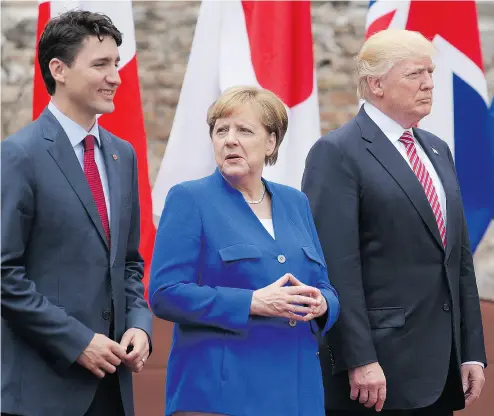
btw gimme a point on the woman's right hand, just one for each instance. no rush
(278, 300)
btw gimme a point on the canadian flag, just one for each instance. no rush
(127, 120)
(266, 44)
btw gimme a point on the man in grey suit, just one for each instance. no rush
(389, 214)
(74, 320)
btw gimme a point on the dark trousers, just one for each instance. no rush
(442, 407)
(427, 411)
(107, 400)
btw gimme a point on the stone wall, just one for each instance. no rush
(164, 33)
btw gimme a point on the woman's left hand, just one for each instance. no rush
(316, 310)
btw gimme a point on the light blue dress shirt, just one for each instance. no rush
(76, 135)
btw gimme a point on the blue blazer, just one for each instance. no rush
(211, 253)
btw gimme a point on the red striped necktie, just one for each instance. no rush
(94, 180)
(426, 181)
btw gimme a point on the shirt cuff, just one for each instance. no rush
(473, 362)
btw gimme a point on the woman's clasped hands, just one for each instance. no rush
(289, 298)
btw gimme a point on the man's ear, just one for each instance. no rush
(57, 69)
(375, 86)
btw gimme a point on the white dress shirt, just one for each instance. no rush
(76, 135)
(268, 225)
(393, 131)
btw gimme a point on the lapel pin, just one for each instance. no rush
(434, 150)
(115, 157)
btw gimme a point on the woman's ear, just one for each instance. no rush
(271, 144)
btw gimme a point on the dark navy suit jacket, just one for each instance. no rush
(211, 253)
(406, 301)
(58, 274)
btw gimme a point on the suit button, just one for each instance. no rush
(106, 314)
(281, 258)
(446, 307)
(292, 322)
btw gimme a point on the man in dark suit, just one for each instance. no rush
(74, 320)
(388, 211)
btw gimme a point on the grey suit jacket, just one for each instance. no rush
(58, 274)
(406, 301)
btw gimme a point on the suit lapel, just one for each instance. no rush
(63, 153)
(389, 157)
(112, 163)
(233, 196)
(281, 222)
(441, 164)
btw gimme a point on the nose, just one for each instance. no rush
(428, 83)
(114, 77)
(231, 137)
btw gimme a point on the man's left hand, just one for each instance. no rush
(472, 377)
(139, 340)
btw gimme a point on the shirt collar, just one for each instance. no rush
(74, 131)
(391, 129)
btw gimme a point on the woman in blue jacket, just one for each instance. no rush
(238, 267)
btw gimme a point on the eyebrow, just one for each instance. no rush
(106, 59)
(421, 68)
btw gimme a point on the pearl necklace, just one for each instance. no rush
(259, 200)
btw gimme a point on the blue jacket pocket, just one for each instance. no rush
(311, 253)
(239, 252)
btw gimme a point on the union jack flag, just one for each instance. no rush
(460, 113)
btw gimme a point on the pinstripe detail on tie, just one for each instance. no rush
(426, 181)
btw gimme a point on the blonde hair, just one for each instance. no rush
(272, 112)
(386, 48)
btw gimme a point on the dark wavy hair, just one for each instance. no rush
(64, 35)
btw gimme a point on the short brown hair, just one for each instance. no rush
(273, 115)
(64, 36)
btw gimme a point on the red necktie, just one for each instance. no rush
(426, 181)
(94, 181)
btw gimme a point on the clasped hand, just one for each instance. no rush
(104, 355)
(298, 301)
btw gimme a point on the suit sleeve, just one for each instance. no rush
(175, 290)
(331, 184)
(472, 335)
(30, 314)
(138, 314)
(323, 284)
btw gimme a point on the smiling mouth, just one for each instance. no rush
(108, 93)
